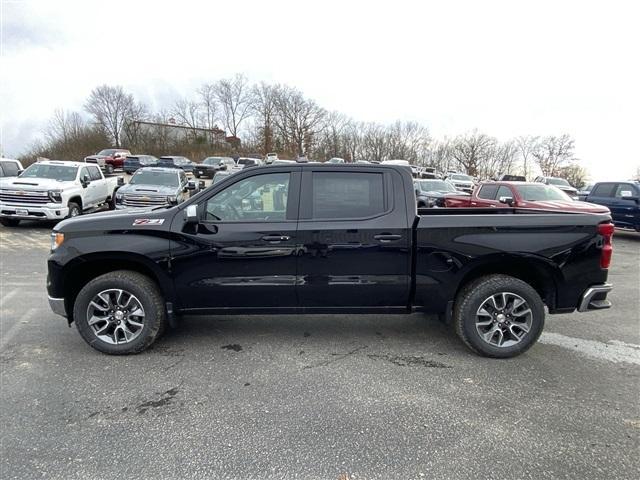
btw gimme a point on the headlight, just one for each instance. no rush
(55, 196)
(119, 196)
(56, 240)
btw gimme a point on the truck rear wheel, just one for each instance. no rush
(120, 312)
(498, 316)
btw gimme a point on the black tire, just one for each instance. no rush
(112, 202)
(108, 169)
(9, 222)
(196, 174)
(422, 205)
(473, 295)
(74, 210)
(147, 293)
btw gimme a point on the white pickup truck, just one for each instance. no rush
(54, 190)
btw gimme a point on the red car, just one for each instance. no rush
(522, 195)
(109, 159)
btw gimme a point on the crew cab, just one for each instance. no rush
(152, 187)
(109, 159)
(622, 198)
(134, 162)
(521, 195)
(348, 239)
(54, 190)
(176, 161)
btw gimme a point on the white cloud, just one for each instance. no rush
(506, 68)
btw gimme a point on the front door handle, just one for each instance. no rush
(276, 238)
(387, 237)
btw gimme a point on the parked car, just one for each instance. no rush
(522, 195)
(153, 187)
(221, 175)
(512, 178)
(584, 191)
(10, 167)
(622, 198)
(175, 161)
(269, 158)
(429, 172)
(53, 190)
(134, 162)
(431, 193)
(211, 165)
(336, 160)
(352, 242)
(282, 161)
(109, 159)
(462, 182)
(244, 162)
(561, 183)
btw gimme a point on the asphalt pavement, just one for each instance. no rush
(315, 397)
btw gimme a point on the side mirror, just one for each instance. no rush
(201, 185)
(417, 192)
(191, 214)
(506, 200)
(191, 185)
(85, 180)
(120, 181)
(20, 172)
(185, 189)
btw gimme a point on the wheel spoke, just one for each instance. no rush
(99, 307)
(93, 320)
(122, 315)
(483, 312)
(103, 329)
(521, 313)
(499, 324)
(134, 323)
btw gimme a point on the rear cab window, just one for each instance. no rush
(345, 195)
(604, 190)
(488, 192)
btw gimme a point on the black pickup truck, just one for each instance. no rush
(296, 239)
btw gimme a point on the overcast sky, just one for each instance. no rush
(506, 68)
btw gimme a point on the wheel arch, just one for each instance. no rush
(85, 268)
(542, 275)
(76, 199)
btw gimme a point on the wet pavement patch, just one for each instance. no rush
(165, 399)
(232, 346)
(410, 361)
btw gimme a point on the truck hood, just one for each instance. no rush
(151, 190)
(96, 157)
(569, 190)
(115, 220)
(441, 194)
(569, 206)
(18, 183)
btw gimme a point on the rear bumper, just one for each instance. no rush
(595, 298)
(33, 212)
(57, 306)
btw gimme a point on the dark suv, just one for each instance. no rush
(622, 198)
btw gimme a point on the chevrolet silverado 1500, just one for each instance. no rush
(319, 238)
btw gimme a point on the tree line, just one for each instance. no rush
(235, 117)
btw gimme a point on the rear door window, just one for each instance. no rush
(625, 190)
(604, 190)
(347, 195)
(94, 173)
(488, 192)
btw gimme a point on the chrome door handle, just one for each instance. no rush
(276, 238)
(387, 237)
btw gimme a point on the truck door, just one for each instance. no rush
(355, 238)
(98, 186)
(603, 194)
(242, 254)
(625, 210)
(486, 196)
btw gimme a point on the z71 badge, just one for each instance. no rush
(148, 221)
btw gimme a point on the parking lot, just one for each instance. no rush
(319, 396)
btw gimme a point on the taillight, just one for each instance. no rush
(606, 230)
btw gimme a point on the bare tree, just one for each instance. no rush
(573, 173)
(111, 107)
(209, 105)
(298, 120)
(526, 145)
(236, 99)
(554, 152)
(64, 126)
(264, 109)
(473, 150)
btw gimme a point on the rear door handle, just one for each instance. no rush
(276, 238)
(387, 237)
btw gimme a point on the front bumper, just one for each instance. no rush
(34, 212)
(595, 298)
(57, 306)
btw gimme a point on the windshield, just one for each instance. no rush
(150, 177)
(465, 178)
(219, 177)
(559, 181)
(108, 152)
(62, 173)
(534, 193)
(435, 186)
(246, 161)
(212, 160)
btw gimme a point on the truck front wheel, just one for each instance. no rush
(74, 210)
(498, 316)
(120, 312)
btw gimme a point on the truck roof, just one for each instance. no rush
(66, 163)
(160, 169)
